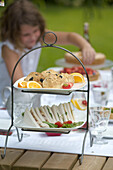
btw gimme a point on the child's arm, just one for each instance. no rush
(65, 38)
(10, 58)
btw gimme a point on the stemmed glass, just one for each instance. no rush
(101, 93)
(99, 118)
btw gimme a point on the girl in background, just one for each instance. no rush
(21, 29)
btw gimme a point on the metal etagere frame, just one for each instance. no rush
(20, 136)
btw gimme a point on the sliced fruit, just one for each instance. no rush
(84, 102)
(78, 103)
(67, 85)
(33, 84)
(78, 78)
(22, 84)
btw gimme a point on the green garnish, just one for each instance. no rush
(23, 114)
(49, 112)
(111, 110)
(72, 125)
(63, 117)
(51, 125)
(106, 108)
(65, 113)
(58, 116)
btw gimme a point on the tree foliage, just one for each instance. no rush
(88, 3)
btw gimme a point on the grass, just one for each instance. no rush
(72, 19)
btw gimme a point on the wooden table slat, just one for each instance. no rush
(109, 164)
(31, 160)
(90, 163)
(11, 156)
(60, 161)
(19, 159)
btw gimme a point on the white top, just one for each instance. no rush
(29, 63)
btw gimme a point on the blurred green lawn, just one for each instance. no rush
(72, 19)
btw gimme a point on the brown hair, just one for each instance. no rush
(16, 14)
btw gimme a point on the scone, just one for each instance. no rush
(67, 78)
(57, 80)
(48, 72)
(35, 76)
(53, 81)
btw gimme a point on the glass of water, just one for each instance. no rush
(19, 108)
(101, 93)
(99, 118)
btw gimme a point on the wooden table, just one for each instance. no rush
(17, 159)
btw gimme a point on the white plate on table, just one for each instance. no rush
(76, 86)
(63, 63)
(108, 133)
(5, 124)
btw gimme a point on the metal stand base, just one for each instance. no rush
(19, 139)
(91, 144)
(91, 139)
(81, 157)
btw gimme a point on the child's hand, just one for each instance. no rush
(88, 54)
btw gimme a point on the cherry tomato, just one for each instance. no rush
(68, 122)
(59, 124)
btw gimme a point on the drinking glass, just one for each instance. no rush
(99, 118)
(101, 93)
(19, 109)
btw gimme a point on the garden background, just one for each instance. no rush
(70, 15)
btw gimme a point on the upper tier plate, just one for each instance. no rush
(76, 86)
(63, 63)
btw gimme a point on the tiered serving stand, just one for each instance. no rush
(20, 136)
